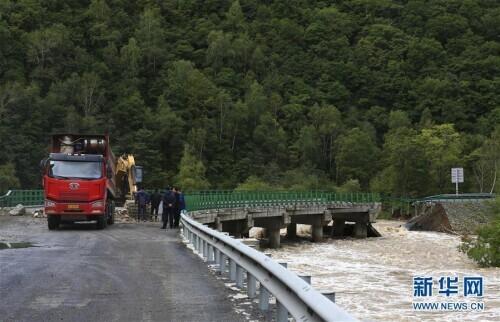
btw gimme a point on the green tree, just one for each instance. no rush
(356, 157)
(130, 58)
(351, 185)
(100, 15)
(486, 163)
(219, 51)
(327, 121)
(149, 34)
(254, 183)
(235, 19)
(442, 149)
(8, 179)
(191, 174)
(42, 45)
(406, 168)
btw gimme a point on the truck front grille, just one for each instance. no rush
(74, 196)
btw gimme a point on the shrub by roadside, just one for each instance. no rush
(485, 248)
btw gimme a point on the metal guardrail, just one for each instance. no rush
(481, 195)
(464, 197)
(25, 197)
(293, 295)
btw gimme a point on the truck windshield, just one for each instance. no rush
(74, 169)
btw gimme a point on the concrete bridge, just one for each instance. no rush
(275, 211)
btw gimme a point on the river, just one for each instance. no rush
(373, 278)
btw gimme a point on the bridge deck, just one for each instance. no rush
(123, 273)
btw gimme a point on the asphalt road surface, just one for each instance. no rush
(126, 272)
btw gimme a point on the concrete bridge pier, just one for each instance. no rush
(291, 231)
(317, 232)
(360, 230)
(218, 224)
(272, 226)
(360, 217)
(316, 220)
(274, 237)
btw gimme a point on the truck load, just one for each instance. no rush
(83, 181)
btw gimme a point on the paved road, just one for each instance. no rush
(126, 272)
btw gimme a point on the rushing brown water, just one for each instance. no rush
(373, 278)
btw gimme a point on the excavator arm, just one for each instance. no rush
(126, 177)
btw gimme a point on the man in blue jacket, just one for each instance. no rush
(141, 199)
(169, 205)
(180, 205)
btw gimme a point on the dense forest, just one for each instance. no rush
(379, 95)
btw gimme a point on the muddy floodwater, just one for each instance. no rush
(373, 278)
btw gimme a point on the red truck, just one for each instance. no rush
(79, 180)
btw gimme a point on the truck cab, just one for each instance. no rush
(78, 180)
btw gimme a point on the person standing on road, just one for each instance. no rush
(169, 201)
(141, 199)
(182, 201)
(177, 211)
(155, 204)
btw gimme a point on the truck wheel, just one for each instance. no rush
(101, 222)
(53, 221)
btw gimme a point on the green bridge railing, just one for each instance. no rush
(218, 199)
(24, 197)
(223, 199)
(235, 199)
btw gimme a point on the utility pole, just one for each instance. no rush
(457, 176)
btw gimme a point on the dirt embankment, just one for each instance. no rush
(451, 217)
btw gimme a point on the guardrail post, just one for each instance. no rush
(281, 311)
(232, 270)
(251, 285)
(218, 224)
(210, 255)
(200, 245)
(239, 276)
(222, 263)
(217, 259)
(264, 294)
(205, 249)
(263, 298)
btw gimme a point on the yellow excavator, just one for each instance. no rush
(128, 175)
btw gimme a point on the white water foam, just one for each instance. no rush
(373, 277)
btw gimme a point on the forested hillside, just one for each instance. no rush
(295, 94)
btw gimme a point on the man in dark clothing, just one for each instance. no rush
(182, 201)
(141, 199)
(169, 204)
(155, 204)
(181, 205)
(177, 211)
